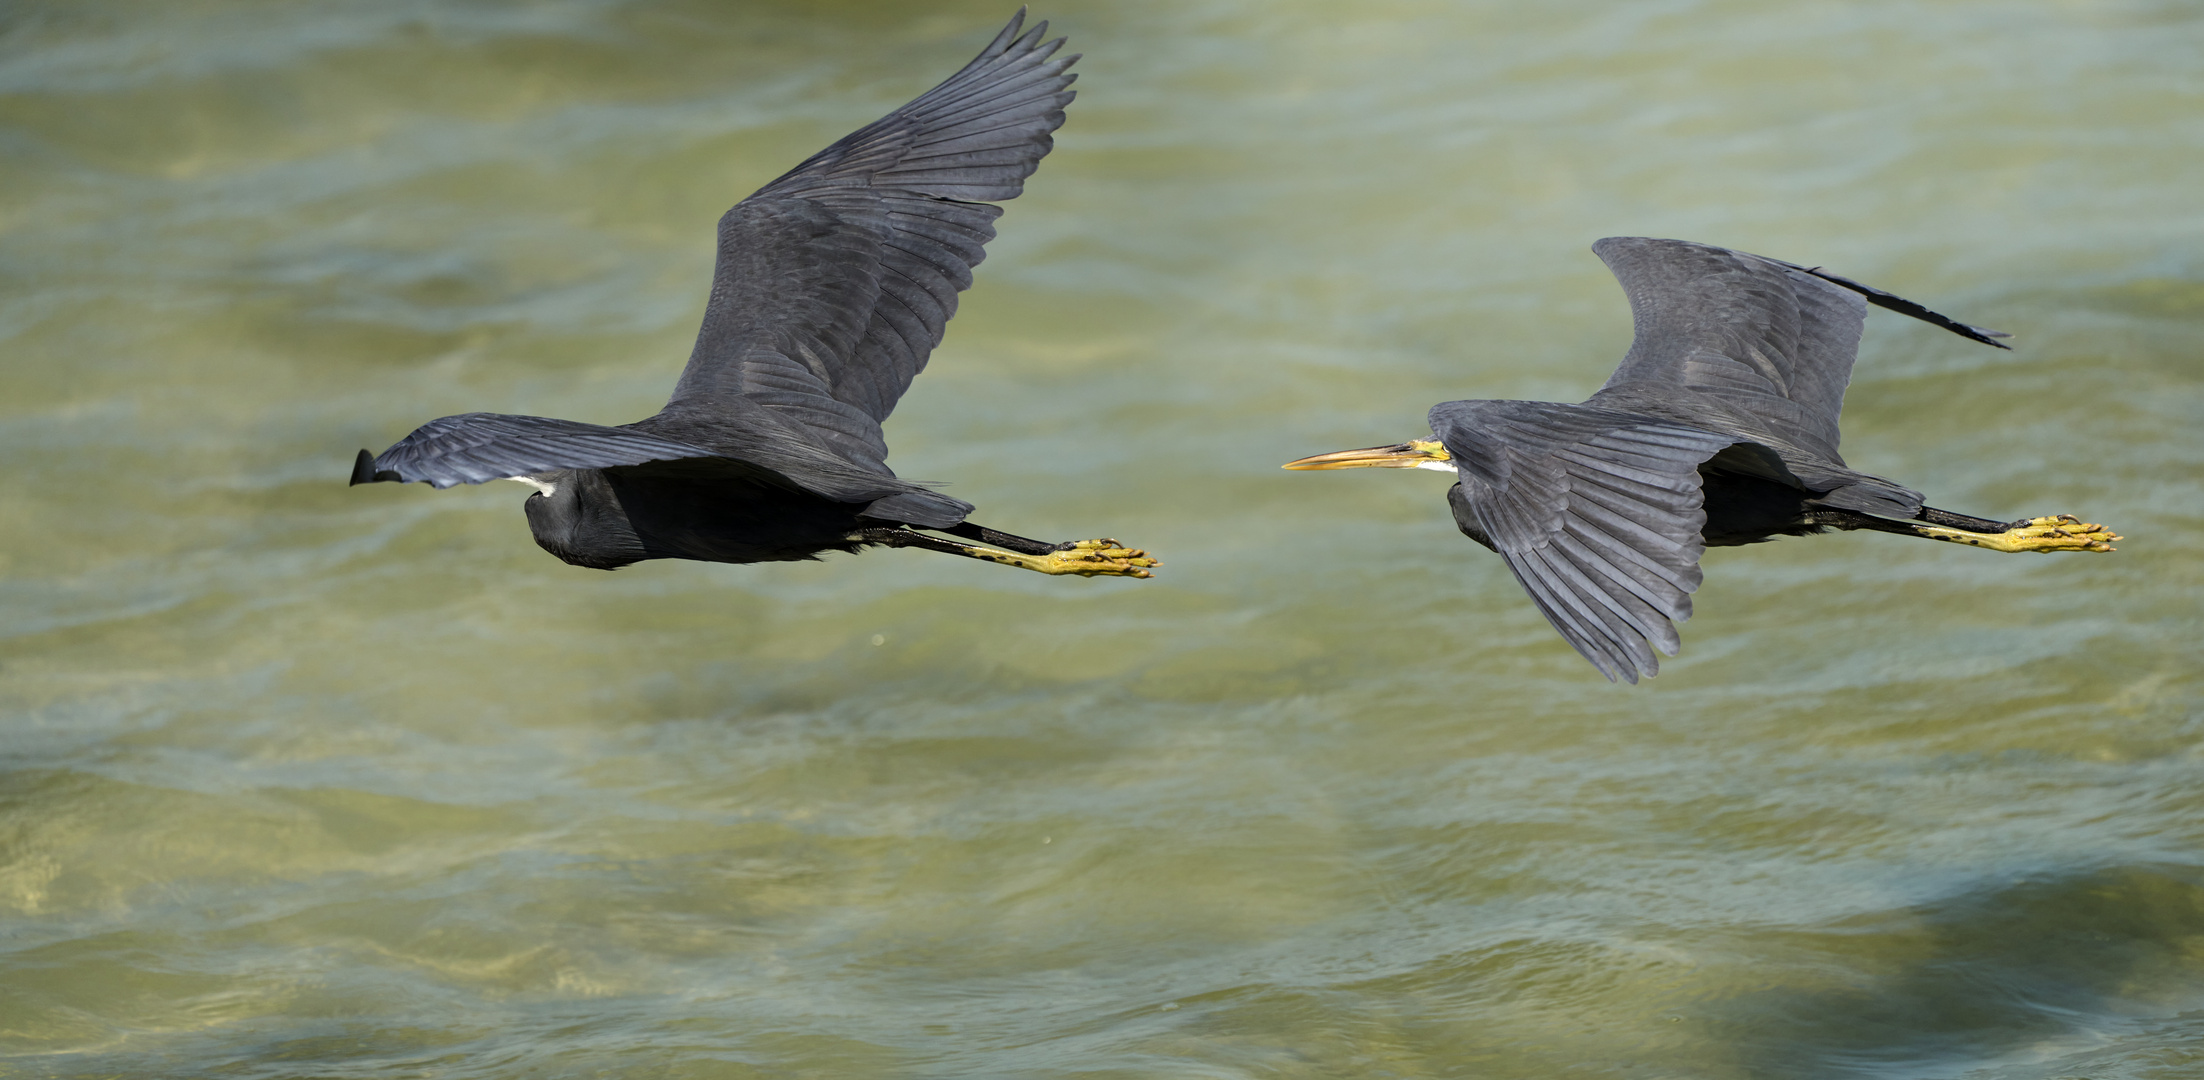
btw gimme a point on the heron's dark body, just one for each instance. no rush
(608, 518)
(1745, 509)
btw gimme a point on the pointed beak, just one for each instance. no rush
(1413, 454)
(365, 472)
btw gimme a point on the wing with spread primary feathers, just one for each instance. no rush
(834, 281)
(1598, 513)
(476, 447)
(1768, 337)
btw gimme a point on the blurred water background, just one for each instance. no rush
(297, 780)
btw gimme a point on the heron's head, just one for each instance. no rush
(576, 516)
(1413, 454)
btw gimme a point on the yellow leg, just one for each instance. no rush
(2063, 532)
(1086, 558)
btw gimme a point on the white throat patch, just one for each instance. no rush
(547, 489)
(1434, 466)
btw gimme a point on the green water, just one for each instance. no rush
(305, 781)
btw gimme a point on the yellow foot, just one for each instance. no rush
(2063, 532)
(1086, 558)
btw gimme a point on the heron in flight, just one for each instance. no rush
(832, 286)
(1719, 429)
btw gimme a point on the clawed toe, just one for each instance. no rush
(1099, 558)
(2061, 532)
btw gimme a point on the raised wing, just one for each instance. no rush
(475, 447)
(1774, 339)
(1598, 513)
(834, 282)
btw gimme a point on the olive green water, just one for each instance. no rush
(297, 780)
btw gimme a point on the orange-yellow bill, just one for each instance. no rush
(1414, 454)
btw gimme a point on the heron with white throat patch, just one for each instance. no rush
(832, 288)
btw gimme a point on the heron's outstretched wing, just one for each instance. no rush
(1768, 337)
(475, 447)
(834, 281)
(1598, 513)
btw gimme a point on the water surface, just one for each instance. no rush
(297, 780)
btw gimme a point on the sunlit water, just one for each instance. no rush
(308, 781)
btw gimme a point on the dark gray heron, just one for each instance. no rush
(1719, 429)
(832, 287)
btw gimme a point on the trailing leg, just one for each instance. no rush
(1086, 558)
(2062, 532)
(983, 534)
